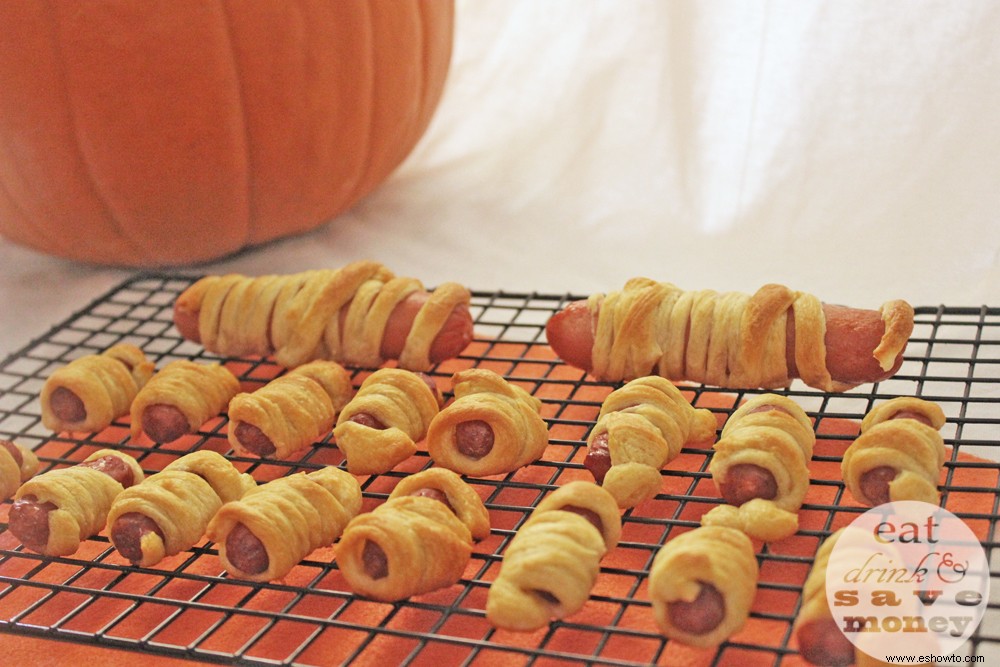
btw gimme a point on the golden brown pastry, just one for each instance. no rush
(552, 562)
(730, 339)
(55, 511)
(492, 426)
(290, 412)
(760, 467)
(642, 427)
(345, 315)
(702, 585)
(899, 454)
(380, 426)
(169, 512)
(448, 487)
(91, 392)
(181, 397)
(266, 533)
(407, 546)
(17, 464)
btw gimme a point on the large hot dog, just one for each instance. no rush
(360, 314)
(730, 339)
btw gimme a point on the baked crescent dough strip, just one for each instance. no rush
(716, 556)
(772, 434)
(815, 605)
(399, 400)
(291, 516)
(421, 545)
(181, 500)
(911, 451)
(293, 410)
(552, 563)
(295, 316)
(13, 472)
(726, 339)
(646, 423)
(82, 497)
(460, 497)
(105, 383)
(821, 639)
(520, 435)
(198, 391)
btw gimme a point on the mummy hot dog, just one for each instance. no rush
(819, 627)
(899, 454)
(169, 512)
(730, 339)
(641, 427)
(760, 467)
(702, 584)
(492, 427)
(553, 561)
(380, 426)
(181, 397)
(17, 464)
(360, 314)
(266, 533)
(820, 638)
(55, 511)
(418, 541)
(290, 412)
(91, 392)
(407, 546)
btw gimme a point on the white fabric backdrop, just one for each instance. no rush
(849, 148)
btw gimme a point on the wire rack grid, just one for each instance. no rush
(187, 607)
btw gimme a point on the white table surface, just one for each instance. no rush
(848, 149)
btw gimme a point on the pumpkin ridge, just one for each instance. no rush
(409, 140)
(248, 235)
(357, 190)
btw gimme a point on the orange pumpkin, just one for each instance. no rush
(157, 133)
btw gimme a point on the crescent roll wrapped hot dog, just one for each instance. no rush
(380, 426)
(266, 533)
(412, 544)
(760, 467)
(552, 563)
(181, 397)
(91, 392)
(820, 636)
(492, 427)
(642, 427)
(17, 465)
(702, 584)
(289, 412)
(730, 339)
(55, 511)
(360, 314)
(169, 512)
(899, 454)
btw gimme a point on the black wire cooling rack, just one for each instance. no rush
(187, 607)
